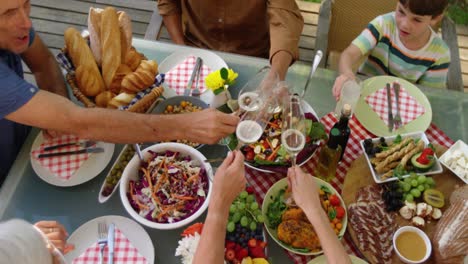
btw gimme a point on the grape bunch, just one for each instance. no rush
(245, 211)
(415, 185)
(372, 149)
(393, 196)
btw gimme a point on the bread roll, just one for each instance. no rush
(133, 59)
(103, 98)
(89, 80)
(110, 44)
(121, 72)
(120, 100)
(142, 78)
(94, 28)
(125, 26)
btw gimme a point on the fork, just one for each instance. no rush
(102, 240)
(397, 118)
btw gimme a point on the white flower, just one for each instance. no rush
(187, 247)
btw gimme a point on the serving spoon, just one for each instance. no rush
(315, 63)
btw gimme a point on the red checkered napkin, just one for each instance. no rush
(124, 252)
(62, 167)
(410, 109)
(178, 77)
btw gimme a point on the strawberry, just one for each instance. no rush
(230, 244)
(340, 212)
(191, 230)
(237, 247)
(334, 200)
(242, 254)
(249, 189)
(252, 243)
(257, 252)
(263, 244)
(230, 255)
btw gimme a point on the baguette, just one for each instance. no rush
(121, 72)
(125, 26)
(133, 59)
(110, 44)
(94, 28)
(81, 55)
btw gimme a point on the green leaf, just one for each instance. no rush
(332, 214)
(224, 73)
(232, 141)
(325, 189)
(218, 91)
(397, 139)
(267, 162)
(317, 131)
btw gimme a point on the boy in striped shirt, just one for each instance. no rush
(401, 44)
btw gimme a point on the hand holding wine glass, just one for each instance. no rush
(293, 126)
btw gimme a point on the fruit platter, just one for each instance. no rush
(395, 157)
(279, 214)
(268, 154)
(378, 210)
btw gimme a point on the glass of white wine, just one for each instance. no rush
(254, 93)
(293, 126)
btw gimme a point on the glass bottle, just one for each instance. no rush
(328, 158)
(342, 126)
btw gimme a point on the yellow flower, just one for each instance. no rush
(232, 76)
(215, 82)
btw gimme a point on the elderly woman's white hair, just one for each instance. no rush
(21, 242)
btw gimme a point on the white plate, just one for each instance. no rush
(306, 109)
(88, 170)
(86, 235)
(437, 168)
(463, 148)
(210, 59)
(323, 260)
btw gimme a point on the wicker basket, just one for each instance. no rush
(145, 104)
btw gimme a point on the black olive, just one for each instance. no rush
(382, 140)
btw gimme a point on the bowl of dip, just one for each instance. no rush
(412, 245)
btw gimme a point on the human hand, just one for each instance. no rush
(339, 84)
(229, 181)
(209, 126)
(56, 234)
(304, 189)
(50, 134)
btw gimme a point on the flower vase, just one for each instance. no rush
(221, 98)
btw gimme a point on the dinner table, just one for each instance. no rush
(24, 195)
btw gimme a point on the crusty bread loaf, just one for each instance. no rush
(94, 28)
(120, 100)
(89, 80)
(104, 98)
(133, 59)
(142, 78)
(125, 25)
(110, 44)
(121, 72)
(144, 103)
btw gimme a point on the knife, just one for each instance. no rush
(110, 244)
(389, 106)
(84, 144)
(81, 151)
(196, 69)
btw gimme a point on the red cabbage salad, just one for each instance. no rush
(169, 188)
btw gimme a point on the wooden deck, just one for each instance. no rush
(51, 17)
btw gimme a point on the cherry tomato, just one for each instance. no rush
(428, 151)
(250, 155)
(334, 200)
(340, 212)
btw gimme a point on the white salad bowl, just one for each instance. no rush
(131, 173)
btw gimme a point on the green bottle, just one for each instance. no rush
(329, 157)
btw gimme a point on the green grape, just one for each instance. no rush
(413, 176)
(407, 180)
(427, 186)
(414, 183)
(406, 187)
(422, 179)
(244, 221)
(231, 226)
(236, 217)
(253, 226)
(243, 194)
(430, 181)
(415, 192)
(257, 212)
(241, 206)
(260, 218)
(250, 198)
(232, 208)
(421, 188)
(409, 197)
(254, 206)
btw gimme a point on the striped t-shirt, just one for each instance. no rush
(427, 66)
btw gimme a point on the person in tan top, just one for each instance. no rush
(269, 29)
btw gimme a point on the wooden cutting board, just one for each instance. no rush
(359, 176)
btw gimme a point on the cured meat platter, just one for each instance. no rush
(360, 190)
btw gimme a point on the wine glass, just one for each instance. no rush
(293, 126)
(258, 89)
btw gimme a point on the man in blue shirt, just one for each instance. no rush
(23, 103)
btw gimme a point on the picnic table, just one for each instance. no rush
(24, 195)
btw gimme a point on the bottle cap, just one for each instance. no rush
(346, 110)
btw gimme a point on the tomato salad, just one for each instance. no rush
(268, 152)
(169, 188)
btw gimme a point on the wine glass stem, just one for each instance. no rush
(293, 161)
